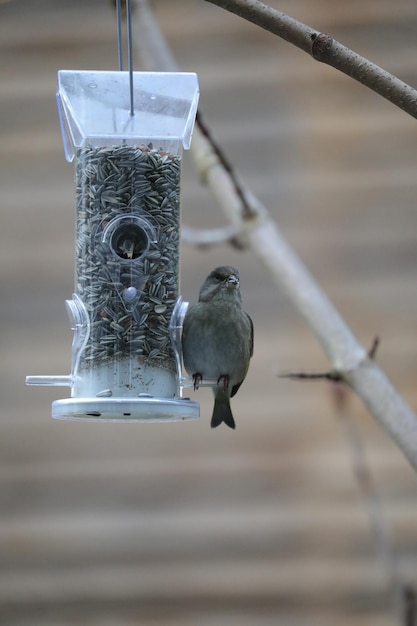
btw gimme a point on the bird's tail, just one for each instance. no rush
(222, 412)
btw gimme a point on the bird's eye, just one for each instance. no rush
(218, 277)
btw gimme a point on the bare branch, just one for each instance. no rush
(324, 48)
(208, 237)
(262, 235)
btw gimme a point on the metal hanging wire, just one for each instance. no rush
(129, 46)
(119, 33)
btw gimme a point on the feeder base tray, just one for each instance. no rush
(147, 409)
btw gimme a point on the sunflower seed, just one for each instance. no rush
(112, 183)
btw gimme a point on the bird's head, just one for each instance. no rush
(222, 282)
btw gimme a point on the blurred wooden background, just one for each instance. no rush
(176, 524)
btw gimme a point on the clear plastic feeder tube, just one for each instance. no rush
(127, 268)
(127, 180)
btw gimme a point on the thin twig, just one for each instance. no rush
(324, 48)
(208, 237)
(332, 375)
(374, 348)
(409, 606)
(247, 210)
(384, 542)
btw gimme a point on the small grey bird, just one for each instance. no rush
(217, 340)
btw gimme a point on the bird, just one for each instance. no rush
(217, 340)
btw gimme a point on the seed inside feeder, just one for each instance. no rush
(128, 281)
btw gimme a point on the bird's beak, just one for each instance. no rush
(233, 281)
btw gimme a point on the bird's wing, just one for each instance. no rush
(235, 389)
(251, 334)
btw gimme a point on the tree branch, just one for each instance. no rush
(325, 49)
(262, 235)
(205, 238)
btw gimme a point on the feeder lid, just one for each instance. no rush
(96, 106)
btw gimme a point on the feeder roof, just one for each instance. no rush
(96, 105)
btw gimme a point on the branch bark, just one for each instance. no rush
(262, 235)
(324, 48)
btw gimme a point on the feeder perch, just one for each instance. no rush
(126, 311)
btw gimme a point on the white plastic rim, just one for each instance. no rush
(126, 409)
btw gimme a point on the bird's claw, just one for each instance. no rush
(197, 380)
(223, 380)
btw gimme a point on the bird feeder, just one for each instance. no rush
(126, 311)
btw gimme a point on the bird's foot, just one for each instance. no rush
(197, 380)
(224, 380)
